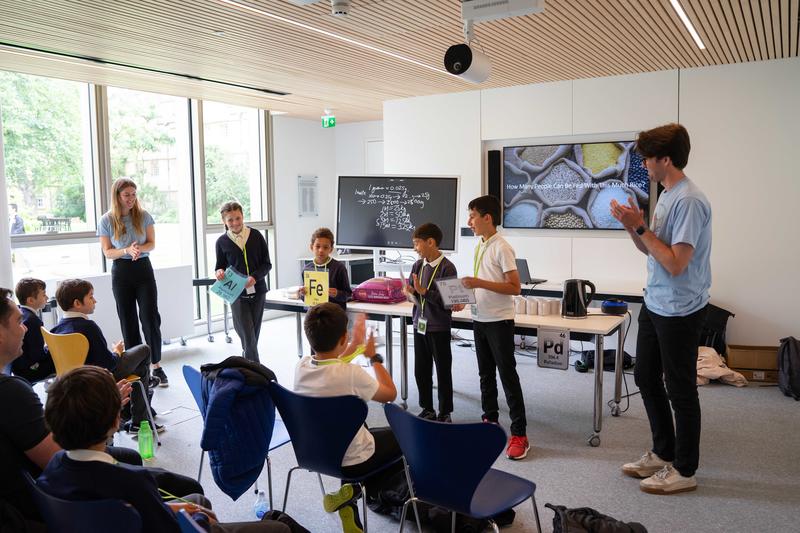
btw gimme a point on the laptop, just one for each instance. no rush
(525, 274)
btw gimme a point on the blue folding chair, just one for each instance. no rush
(279, 434)
(187, 523)
(94, 516)
(321, 430)
(449, 465)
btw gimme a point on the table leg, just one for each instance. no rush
(299, 322)
(618, 361)
(388, 322)
(208, 315)
(403, 362)
(594, 438)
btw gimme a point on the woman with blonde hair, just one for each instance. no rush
(127, 236)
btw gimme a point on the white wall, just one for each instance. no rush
(300, 148)
(743, 120)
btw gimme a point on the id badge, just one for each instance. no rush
(422, 326)
(474, 309)
(250, 290)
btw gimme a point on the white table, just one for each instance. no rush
(596, 324)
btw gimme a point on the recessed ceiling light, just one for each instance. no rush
(686, 22)
(219, 33)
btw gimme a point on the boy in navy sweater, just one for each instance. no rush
(432, 322)
(338, 281)
(35, 363)
(76, 299)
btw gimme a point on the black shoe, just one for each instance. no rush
(162, 377)
(444, 417)
(427, 414)
(132, 427)
(154, 382)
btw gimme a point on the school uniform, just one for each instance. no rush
(35, 363)
(337, 279)
(432, 342)
(493, 323)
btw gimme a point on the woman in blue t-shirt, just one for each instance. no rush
(127, 235)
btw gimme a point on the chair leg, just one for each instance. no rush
(536, 513)
(452, 522)
(255, 487)
(413, 498)
(364, 505)
(200, 470)
(494, 526)
(149, 413)
(269, 481)
(288, 482)
(403, 515)
(321, 485)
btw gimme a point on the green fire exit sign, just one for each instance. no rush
(329, 121)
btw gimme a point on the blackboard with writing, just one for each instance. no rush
(383, 211)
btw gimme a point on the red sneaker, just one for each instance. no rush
(517, 448)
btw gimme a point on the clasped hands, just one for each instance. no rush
(629, 215)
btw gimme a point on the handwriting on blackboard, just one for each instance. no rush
(394, 201)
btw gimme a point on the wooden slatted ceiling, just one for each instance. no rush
(572, 39)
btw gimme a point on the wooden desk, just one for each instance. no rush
(596, 324)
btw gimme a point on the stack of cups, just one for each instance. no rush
(532, 305)
(520, 305)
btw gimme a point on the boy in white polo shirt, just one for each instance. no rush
(495, 281)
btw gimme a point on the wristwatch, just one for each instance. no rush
(377, 358)
(641, 229)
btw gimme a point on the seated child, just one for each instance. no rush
(76, 299)
(338, 282)
(35, 363)
(82, 411)
(432, 322)
(324, 374)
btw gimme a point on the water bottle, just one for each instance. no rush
(261, 507)
(145, 438)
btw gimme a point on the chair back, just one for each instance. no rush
(187, 523)
(68, 350)
(446, 461)
(321, 429)
(93, 516)
(194, 379)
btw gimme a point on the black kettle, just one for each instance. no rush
(575, 299)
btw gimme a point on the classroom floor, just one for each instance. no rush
(749, 477)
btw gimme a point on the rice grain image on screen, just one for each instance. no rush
(522, 214)
(600, 203)
(563, 183)
(636, 175)
(565, 217)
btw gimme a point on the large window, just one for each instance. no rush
(233, 160)
(56, 261)
(149, 143)
(47, 152)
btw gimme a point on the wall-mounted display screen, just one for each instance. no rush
(571, 186)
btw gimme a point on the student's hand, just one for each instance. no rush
(357, 336)
(471, 283)
(219, 274)
(408, 289)
(192, 508)
(124, 386)
(418, 286)
(369, 350)
(458, 307)
(250, 282)
(332, 292)
(301, 291)
(118, 348)
(629, 215)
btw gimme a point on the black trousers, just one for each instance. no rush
(134, 285)
(386, 450)
(429, 349)
(135, 361)
(247, 311)
(494, 347)
(666, 354)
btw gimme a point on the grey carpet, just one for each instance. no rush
(748, 479)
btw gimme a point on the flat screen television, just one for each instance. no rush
(570, 186)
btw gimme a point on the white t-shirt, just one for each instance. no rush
(497, 259)
(339, 379)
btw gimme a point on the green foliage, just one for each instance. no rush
(226, 180)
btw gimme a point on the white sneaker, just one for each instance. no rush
(646, 466)
(668, 481)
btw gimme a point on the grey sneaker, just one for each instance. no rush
(646, 466)
(427, 414)
(668, 481)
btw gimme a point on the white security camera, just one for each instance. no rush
(340, 8)
(464, 61)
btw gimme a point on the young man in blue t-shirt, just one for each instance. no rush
(678, 249)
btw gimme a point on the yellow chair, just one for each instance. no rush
(69, 351)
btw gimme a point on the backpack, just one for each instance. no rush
(714, 328)
(789, 367)
(588, 520)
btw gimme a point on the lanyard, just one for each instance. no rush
(244, 251)
(476, 261)
(430, 282)
(360, 349)
(324, 266)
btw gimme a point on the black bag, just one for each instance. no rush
(789, 367)
(283, 518)
(609, 357)
(587, 520)
(714, 328)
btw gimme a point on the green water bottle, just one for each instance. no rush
(145, 438)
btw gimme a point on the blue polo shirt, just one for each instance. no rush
(104, 229)
(682, 214)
